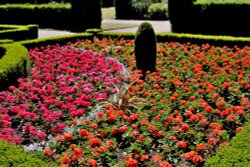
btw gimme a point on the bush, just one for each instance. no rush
(86, 14)
(235, 154)
(140, 8)
(12, 155)
(32, 1)
(145, 48)
(17, 32)
(14, 64)
(107, 3)
(158, 11)
(123, 9)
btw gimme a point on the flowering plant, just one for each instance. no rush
(190, 107)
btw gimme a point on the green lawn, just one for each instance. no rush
(108, 13)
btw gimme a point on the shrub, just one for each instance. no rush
(123, 9)
(158, 11)
(107, 3)
(13, 64)
(235, 154)
(145, 48)
(18, 32)
(86, 14)
(12, 155)
(140, 8)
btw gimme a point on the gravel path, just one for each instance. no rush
(159, 26)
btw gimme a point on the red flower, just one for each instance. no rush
(68, 136)
(92, 162)
(231, 117)
(130, 162)
(144, 157)
(165, 164)
(200, 147)
(78, 152)
(95, 141)
(197, 159)
(48, 152)
(182, 144)
(140, 138)
(65, 159)
(239, 129)
(123, 129)
(83, 132)
(156, 158)
(189, 155)
(94, 125)
(212, 141)
(185, 127)
(151, 128)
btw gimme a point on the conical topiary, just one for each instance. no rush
(145, 48)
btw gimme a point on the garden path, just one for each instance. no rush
(159, 26)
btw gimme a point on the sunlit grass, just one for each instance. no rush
(108, 13)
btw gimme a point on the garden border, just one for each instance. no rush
(18, 32)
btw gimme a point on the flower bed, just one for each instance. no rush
(91, 110)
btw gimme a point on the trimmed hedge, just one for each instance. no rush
(12, 155)
(185, 38)
(31, 1)
(187, 16)
(123, 9)
(18, 33)
(85, 14)
(55, 40)
(45, 15)
(77, 16)
(236, 154)
(14, 63)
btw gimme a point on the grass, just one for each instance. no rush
(108, 13)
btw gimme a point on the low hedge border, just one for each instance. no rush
(18, 32)
(12, 155)
(235, 154)
(185, 38)
(14, 63)
(4, 41)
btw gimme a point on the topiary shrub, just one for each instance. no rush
(158, 11)
(145, 48)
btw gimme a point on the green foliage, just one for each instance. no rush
(209, 18)
(17, 33)
(158, 11)
(45, 15)
(224, 1)
(14, 63)
(123, 9)
(4, 41)
(107, 3)
(140, 8)
(12, 155)
(32, 1)
(86, 14)
(145, 48)
(62, 40)
(235, 154)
